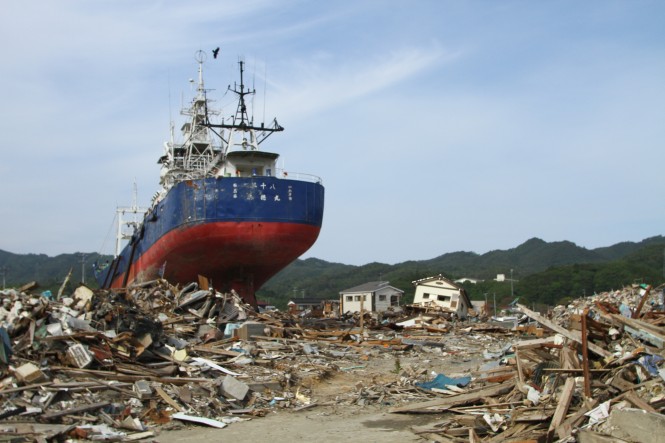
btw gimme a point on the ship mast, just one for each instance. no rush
(241, 121)
(134, 210)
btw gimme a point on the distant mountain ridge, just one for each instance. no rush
(320, 278)
(316, 277)
(535, 255)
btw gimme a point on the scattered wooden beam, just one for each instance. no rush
(562, 407)
(448, 402)
(636, 314)
(73, 411)
(572, 335)
(643, 330)
(585, 356)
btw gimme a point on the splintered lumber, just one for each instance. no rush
(636, 401)
(168, 399)
(74, 411)
(572, 335)
(535, 343)
(565, 429)
(585, 356)
(448, 402)
(129, 378)
(643, 330)
(636, 314)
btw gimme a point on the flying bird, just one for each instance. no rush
(215, 52)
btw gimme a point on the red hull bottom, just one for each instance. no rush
(233, 255)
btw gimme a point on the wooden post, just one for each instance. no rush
(362, 316)
(520, 374)
(636, 314)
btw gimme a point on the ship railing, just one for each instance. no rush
(300, 176)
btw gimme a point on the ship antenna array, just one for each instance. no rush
(241, 114)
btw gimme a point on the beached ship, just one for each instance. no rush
(225, 210)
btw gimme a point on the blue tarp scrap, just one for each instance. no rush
(440, 382)
(650, 363)
(5, 346)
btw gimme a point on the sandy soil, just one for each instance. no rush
(333, 419)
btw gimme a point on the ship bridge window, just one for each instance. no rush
(251, 171)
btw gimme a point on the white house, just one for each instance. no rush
(374, 296)
(441, 292)
(467, 279)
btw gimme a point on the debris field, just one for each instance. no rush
(127, 365)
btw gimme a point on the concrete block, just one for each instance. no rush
(29, 374)
(79, 356)
(258, 386)
(232, 387)
(248, 329)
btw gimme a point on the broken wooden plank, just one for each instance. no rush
(640, 305)
(643, 330)
(565, 429)
(562, 407)
(171, 402)
(636, 401)
(76, 410)
(572, 335)
(25, 388)
(447, 402)
(585, 355)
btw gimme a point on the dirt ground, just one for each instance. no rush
(333, 419)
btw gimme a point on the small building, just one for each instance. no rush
(443, 293)
(468, 280)
(314, 307)
(375, 296)
(306, 304)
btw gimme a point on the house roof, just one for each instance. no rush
(307, 301)
(433, 278)
(371, 286)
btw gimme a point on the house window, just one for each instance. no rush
(349, 298)
(453, 304)
(357, 298)
(443, 298)
(425, 296)
(382, 297)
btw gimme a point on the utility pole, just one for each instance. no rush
(4, 274)
(511, 284)
(495, 305)
(82, 268)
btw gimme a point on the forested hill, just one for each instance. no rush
(613, 266)
(542, 271)
(18, 269)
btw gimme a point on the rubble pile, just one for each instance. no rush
(128, 364)
(599, 378)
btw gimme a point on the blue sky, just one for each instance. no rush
(436, 126)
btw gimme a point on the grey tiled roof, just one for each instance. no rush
(371, 286)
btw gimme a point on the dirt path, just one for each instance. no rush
(319, 424)
(335, 418)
